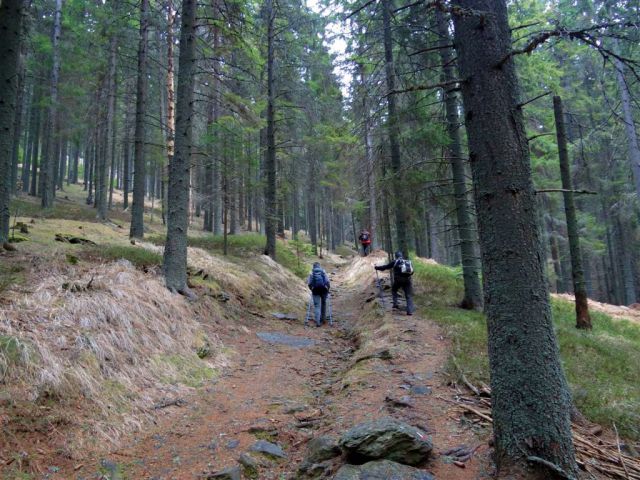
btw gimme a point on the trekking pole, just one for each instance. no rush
(330, 315)
(306, 318)
(380, 289)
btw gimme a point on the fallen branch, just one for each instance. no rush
(550, 190)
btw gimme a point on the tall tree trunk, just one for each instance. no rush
(393, 128)
(11, 16)
(470, 265)
(531, 403)
(175, 251)
(34, 138)
(64, 145)
(171, 102)
(102, 172)
(137, 207)
(270, 200)
(113, 106)
(49, 163)
(583, 320)
(17, 124)
(629, 123)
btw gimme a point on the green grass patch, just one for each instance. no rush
(601, 365)
(189, 371)
(10, 275)
(138, 256)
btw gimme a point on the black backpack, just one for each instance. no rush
(364, 237)
(403, 267)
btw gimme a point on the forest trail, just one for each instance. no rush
(289, 395)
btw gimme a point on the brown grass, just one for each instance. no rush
(107, 336)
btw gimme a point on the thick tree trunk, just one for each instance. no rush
(137, 207)
(34, 139)
(629, 123)
(270, 200)
(112, 125)
(49, 163)
(470, 265)
(583, 320)
(171, 115)
(17, 124)
(393, 131)
(11, 16)
(175, 251)
(531, 402)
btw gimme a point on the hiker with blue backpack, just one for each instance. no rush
(319, 285)
(402, 271)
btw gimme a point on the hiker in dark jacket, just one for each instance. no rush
(319, 285)
(365, 241)
(401, 280)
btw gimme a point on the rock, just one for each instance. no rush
(420, 390)
(250, 465)
(313, 471)
(401, 402)
(270, 450)
(389, 439)
(231, 444)
(232, 473)
(381, 470)
(284, 316)
(322, 448)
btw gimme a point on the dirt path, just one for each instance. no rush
(291, 394)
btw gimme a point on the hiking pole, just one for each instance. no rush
(306, 318)
(330, 316)
(380, 289)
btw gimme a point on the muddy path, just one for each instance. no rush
(288, 394)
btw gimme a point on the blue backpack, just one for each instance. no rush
(318, 279)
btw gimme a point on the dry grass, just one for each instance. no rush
(110, 337)
(258, 280)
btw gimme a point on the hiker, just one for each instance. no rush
(402, 271)
(319, 285)
(365, 241)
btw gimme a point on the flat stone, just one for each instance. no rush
(284, 316)
(386, 438)
(232, 473)
(231, 444)
(284, 339)
(381, 470)
(420, 390)
(267, 448)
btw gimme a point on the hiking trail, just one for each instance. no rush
(328, 380)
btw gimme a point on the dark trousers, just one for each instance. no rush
(366, 249)
(405, 284)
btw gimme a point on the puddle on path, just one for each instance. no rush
(283, 339)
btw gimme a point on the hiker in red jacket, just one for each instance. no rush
(365, 241)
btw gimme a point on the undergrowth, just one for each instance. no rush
(601, 365)
(140, 257)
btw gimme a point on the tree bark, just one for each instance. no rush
(531, 402)
(270, 200)
(137, 207)
(11, 16)
(472, 299)
(49, 163)
(393, 131)
(175, 251)
(583, 320)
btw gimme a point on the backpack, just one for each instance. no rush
(318, 280)
(403, 267)
(364, 237)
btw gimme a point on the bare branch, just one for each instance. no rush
(563, 190)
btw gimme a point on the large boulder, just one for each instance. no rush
(386, 438)
(381, 470)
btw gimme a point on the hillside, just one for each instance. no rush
(106, 373)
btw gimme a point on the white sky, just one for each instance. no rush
(336, 34)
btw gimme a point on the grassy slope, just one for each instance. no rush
(601, 366)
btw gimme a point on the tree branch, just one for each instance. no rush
(563, 190)
(416, 88)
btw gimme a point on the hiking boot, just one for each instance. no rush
(396, 307)
(409, 313)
